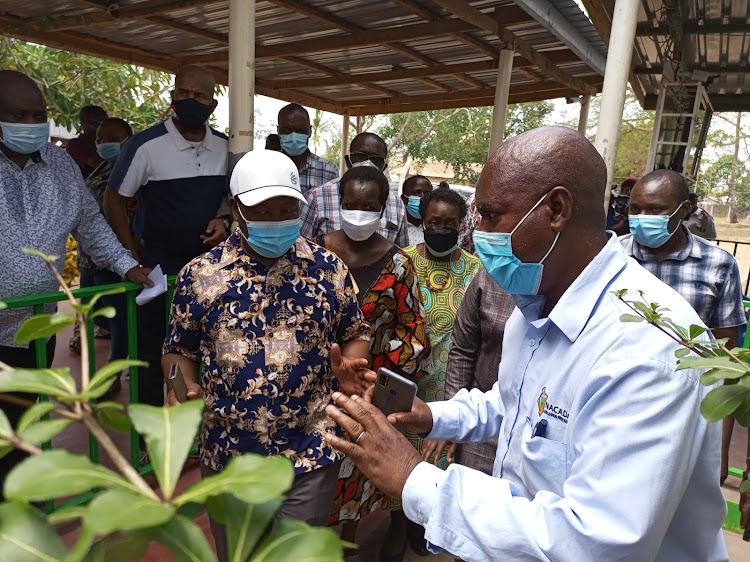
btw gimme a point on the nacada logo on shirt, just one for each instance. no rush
(545, 407)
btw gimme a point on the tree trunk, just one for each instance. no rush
(404, 170)
(732, 212)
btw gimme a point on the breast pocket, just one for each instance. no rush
(544, 462)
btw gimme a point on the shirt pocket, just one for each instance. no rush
(544, 462)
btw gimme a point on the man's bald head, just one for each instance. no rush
(194, 73)
(21, 100)
(532, 163)
(194, 82)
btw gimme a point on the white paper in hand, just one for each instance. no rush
(150, 293)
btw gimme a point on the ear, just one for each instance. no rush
(686, 207)
(171, 95)
(560, 202)
(405, 198)
(348, 161)
(235, 210)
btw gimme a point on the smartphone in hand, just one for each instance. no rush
(176, 382)
(393, 393)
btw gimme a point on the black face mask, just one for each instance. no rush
(440, 240)
(192, 114)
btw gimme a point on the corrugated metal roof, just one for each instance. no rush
(344, 44)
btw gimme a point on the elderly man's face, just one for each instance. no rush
(276, 209)
(294, 122)
(23, 107)
(502, 201)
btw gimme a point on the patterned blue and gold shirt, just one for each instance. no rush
(263, 337)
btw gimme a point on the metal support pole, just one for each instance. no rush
(241, 78)
(502, 87)
(583, 117)
(615, 85)
(344, 142)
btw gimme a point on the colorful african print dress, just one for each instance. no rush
(392, 307)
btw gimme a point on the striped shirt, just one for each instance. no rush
(705, 275)
(316, 171)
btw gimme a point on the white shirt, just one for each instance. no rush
(628, 468)
(416, 233)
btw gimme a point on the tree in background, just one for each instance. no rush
(71, 81)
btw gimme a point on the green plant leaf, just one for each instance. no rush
(5, 427)
(43, 431)
(185, 539)
(742, 413)
(67, 513)
(120, 548)
(35, 252)
(33, 414)
(26, 536)
(682, 352)
(100, 294)
(32, 479)
(730, 369)
(620, 293)
(696, 331)
(295, 540)
(3, 306)
(86, 538)
(630, 318)
(169, 433)
(104, 377)
(42, 326)
(251, 478)
(121, 510)
(114, 420)
(245, 522)
(711, 376)
(53, 382)
(723, 400)
(106, 311)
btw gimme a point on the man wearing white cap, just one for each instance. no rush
(265, 313)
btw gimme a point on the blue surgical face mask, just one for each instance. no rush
(271, 239)
(412, 207)
(24, 138)
(108, 151)
(511, 274)
(652, 231)
(294, 144)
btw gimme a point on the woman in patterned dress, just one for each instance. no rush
(388, 293)
(444, 272)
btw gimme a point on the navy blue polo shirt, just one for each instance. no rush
(181, 186)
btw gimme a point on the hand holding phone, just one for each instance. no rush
(176, 382)
(393, 393)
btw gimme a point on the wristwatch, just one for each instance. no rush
(227, 223)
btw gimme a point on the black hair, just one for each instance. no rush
(293, 108)
(89, 109)
(366, 174)
(675, 181)
(273, 142)
(366, 135)
(411, 180)
(123, 125)
(447, 195)
(693, 196)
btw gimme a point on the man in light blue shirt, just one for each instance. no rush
(603, 453)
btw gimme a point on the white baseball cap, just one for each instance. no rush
(262, 174)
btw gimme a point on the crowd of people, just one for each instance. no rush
(543, 428)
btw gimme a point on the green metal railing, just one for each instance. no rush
(37, 302)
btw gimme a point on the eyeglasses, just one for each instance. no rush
(379, 161)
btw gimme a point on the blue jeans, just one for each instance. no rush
(117, 326)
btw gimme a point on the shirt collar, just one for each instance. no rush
(181, 142)
(36, 157)
(574, 308)
(232, 251)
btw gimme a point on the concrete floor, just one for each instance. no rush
(371, 531)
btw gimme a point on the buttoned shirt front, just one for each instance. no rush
(263, 337)
(705, 275)
(322, 215)
(316, 172)
(40, 205)
(628, 467)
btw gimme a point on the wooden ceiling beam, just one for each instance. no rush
(462, 9)
(64, 23)
(603, 25)
(475, 102)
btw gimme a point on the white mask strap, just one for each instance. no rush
(527, 214)
(551, 248)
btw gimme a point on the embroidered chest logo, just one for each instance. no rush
(542, 400)
(546, 407)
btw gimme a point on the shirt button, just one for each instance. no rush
(532, 342)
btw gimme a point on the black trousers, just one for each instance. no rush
(24, 358)
(152, 329)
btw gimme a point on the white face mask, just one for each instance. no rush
(359, 225)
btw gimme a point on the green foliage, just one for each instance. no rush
(70, 81)
(126, 514)
(42, 326)
(459, 137)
